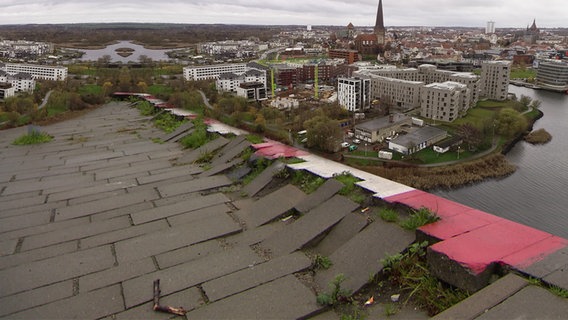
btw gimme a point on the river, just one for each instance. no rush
(93, 55)
(537, 193)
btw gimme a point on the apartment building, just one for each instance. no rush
(350, 56)
(251, 84)
(400, 94)
(440, 94)
(552, 75)
(18, 82)
(6, 90)
(54, 73)
(196, 73)
(354, 94)
(495, 79)
(445, 101)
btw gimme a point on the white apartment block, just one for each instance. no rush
(196, 73)
(251, 84)
(445, 101)
(54, 73)
(354, 94)
(495, 79)
(18, 82)
(6, 90)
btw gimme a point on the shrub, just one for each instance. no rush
(410, 273)
(33, 137)
(336, 294)
(198, 137)
(322, 262)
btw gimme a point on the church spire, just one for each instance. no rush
(379, 24)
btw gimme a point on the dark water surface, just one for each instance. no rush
(537, 193)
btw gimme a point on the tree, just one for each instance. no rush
(124, 79)
(323, 133)
(142, 86)
(510, 122)
(471, 135)
(104, 60)
(525, 101)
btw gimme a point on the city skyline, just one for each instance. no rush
(464, 13)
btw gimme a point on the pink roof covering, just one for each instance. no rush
(476, 239)
(274, 149)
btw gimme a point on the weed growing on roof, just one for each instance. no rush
(336, 294)
(409, 271)
(388, 214)
(198, 137)
(418, 218)
(306, 181)
(34, 137)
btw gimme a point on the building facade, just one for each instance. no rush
(197, 73)
(411, 88)
(252, 91)
(19, 82)
(377, 130)
(495, 79)
(350, 56)
(354, 94)
(53, 73)
(6, 90)
(444, 101)
(552, 75)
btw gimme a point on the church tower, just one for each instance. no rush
(380, 25)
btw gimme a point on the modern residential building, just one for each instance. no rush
(252, 91)
(6, 90)
(251, 84)
(552, 75)
(495, 79)
(445, 101)
(54, 73)
(490, 28)
(411, 88)
(403, 95)
(229, 82)
(354, 94)
(196, 73)
(19, 81)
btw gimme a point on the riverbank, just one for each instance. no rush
(493, 166)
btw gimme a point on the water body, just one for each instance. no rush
(93, 55)
(537, 193)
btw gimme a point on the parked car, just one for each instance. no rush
(345, 144)
(356, 141)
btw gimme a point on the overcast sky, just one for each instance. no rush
(468, 13)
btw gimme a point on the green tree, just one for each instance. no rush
(124, 79)
(509, 123)
(323, 133)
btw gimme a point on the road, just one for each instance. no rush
(45, 99)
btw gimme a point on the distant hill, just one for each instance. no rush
(149, 34)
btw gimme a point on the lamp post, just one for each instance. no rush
(459, 148)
